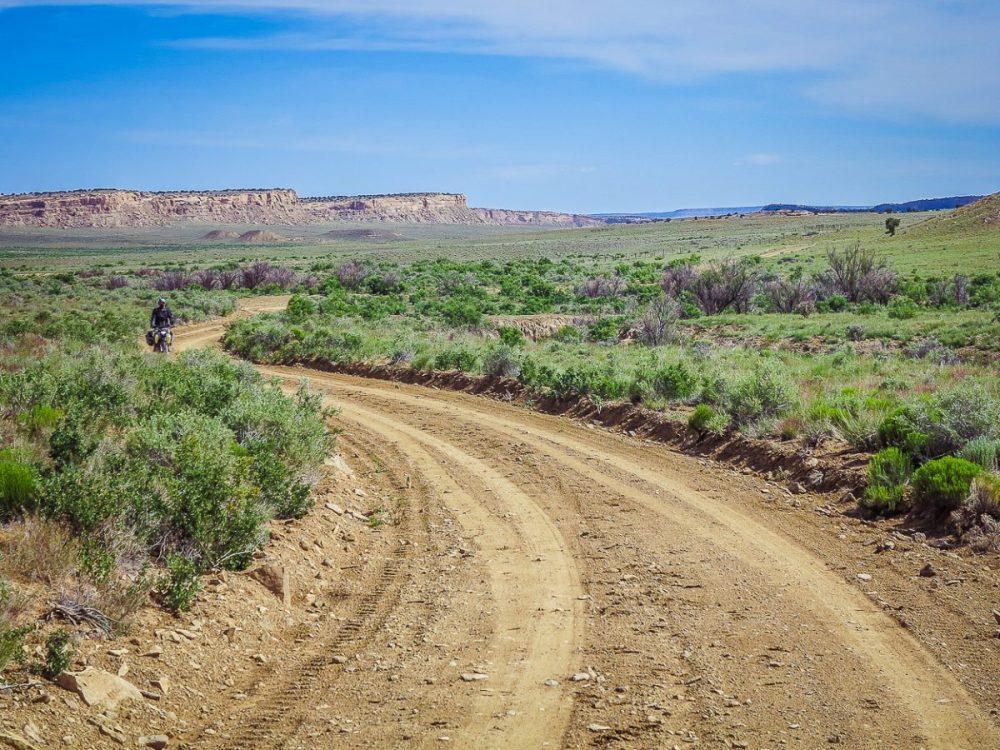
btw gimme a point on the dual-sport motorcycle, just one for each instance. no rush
(160, 339)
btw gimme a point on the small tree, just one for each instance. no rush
(730, 283)
(891, 225)
(658, 325)
(857, 274)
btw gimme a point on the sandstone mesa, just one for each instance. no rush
(112, 208)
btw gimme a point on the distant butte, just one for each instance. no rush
(133, 208)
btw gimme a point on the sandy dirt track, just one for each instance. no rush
(561, 586)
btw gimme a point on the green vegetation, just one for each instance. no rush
(888, 473)
(941, 485)
(807, 328)
(115, 463)
(675, 335)
(193, 454)
(11, 634)
(181, 583)
(58, 653)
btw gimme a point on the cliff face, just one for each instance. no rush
(130, 208)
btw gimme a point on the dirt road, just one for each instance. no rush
(562, 586)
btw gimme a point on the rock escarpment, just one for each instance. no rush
(133, 208)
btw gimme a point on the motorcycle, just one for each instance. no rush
(160, 339)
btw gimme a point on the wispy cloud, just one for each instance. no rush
(278, 138)
(758, 160)
(900, 58)
(536, 172)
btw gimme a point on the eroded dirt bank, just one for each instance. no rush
(828, 469)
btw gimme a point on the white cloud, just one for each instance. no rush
(758, 160)
(896, 57)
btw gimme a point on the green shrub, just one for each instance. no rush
(462, 311)
(889, 467)
(675, 381)
(285, 437)
(900, 429)
(888, 472)
(456, 358)
(511, 336)
(706, 419)
(765, 393)
(883, 500)
(833, 303)
(502, 361)
(603, 329)
(944, 423)
(180, 585)
(982, 451)
(110, 485)
(940, 486)
(58, 654)
(568, 335)
(961, 415)
(11, 641)
(203, 488)
(299, 308)
(902, 308)
(19, 485)
(597, 382)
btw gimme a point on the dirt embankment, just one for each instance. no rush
(828, 469)
(536, 327)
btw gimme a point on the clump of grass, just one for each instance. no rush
(40, 418)
(888, 473)
(978, 518)
(706, 419)
(982, 451)
(19, 484)
(940, 486)
(38, 549)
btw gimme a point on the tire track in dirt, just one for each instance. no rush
(924, 695)
(534, 583)
(284, 698)
(533, 580)
(210, 332)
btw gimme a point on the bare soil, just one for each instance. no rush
(539, 581)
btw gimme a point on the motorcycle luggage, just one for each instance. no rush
(150, 337)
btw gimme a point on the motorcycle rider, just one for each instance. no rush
(162, 319)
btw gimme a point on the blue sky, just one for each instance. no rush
(577, 106)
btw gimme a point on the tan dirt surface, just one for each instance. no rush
(539, 583)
